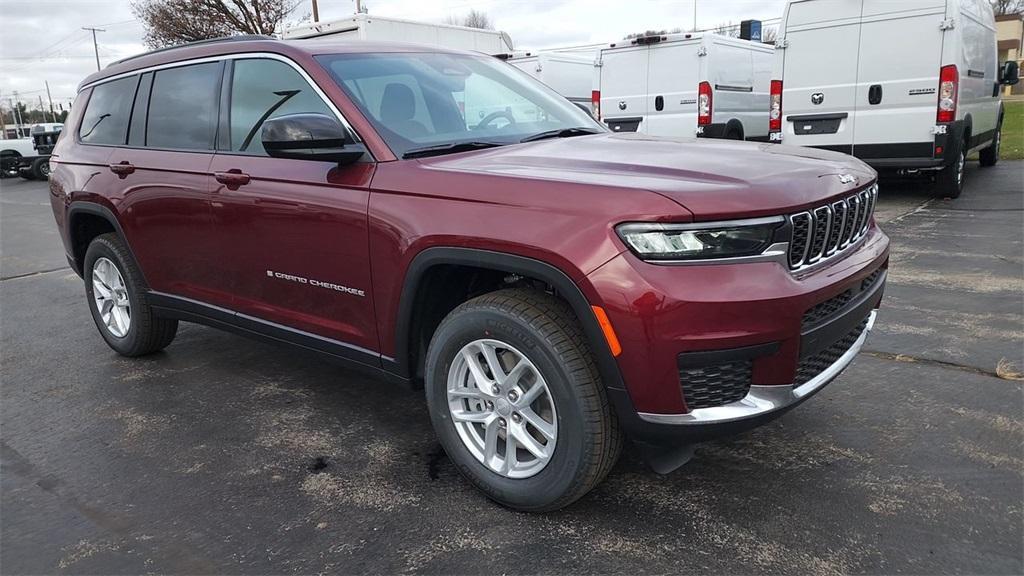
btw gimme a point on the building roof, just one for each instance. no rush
(1009, 17)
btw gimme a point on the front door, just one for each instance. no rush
(291, 234)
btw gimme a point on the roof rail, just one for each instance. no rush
(238, 38)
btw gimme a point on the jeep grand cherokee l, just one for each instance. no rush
(439, 217)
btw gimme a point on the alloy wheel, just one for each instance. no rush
(502, 408)
(111, 296)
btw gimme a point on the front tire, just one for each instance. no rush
(40, 169)
(517, 402)
(117, 300)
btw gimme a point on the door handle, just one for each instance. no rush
(659, 103)
(232, 178)
(122, 168)
(875, 94)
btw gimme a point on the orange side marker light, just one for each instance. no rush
(609, 332)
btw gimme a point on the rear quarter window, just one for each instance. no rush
(107, 113)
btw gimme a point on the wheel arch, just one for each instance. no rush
(734, 125)
(407, 360)
(87, 220)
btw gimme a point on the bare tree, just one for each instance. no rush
(769, 34)
(476, 19)
(653, 33)
(170, 22)
(1003, 7)
(728, 29)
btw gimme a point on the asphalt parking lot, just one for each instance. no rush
(224, 455)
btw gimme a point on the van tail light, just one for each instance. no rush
(704, 104)
(775, 107)
(595, 103)
(949, 80)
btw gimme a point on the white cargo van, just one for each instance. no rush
(684, 85)
(380, 28)
(910, 85)
(570, 75)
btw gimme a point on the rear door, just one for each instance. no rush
(624, 88)
(672, 76)
(820, 73)
(897, 76)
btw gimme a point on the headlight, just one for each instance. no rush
(652, 241)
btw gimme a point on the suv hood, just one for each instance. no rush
(710, 178)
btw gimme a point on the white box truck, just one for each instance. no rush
(706, 85)
(379, 28)
(908, 85)
(570, 75)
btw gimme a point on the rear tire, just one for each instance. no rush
(41, 169)
(990, 156)
(949, 182)
(581, 434)
(117, 300)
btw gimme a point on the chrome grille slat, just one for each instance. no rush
(827, 230)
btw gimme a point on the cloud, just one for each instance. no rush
(43, 40)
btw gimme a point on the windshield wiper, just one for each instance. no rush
(449, 149)
(561, 133)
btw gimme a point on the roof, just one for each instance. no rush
(1011, 44)
(295, 49)
(1009, 17)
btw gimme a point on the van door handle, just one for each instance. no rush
(122, 168)
(659, 103)
(232, 178)
(875, 94)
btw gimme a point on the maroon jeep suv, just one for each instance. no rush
(440, 218)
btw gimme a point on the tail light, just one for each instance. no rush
(775, 109)
(949, 80)
(704, 104)
(595, 103)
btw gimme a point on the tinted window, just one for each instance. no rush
(263, 89)
(106, 115)
(183, 107)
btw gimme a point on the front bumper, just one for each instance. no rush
(762, 401)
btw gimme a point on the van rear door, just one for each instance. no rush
(820, 73)
(672, 77)
(897, 76)
(624, 88)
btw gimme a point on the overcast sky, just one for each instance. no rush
(42, 40)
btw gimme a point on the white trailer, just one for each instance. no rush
(909, 86)
(684, 85)
(379, 28)
(570, 75)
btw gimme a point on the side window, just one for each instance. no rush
(262, 89)
(183, 107)
(106, 115)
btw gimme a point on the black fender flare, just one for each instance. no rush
(504, 262)
(737, 126)
(80, 207)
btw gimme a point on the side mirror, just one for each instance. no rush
(309, 137)
(1010, 74)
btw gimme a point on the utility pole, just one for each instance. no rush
(50, 98)
(694, 15)
(3, 121)
(316, 13)
(95, 46)
(16, 105)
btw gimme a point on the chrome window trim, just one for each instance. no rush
(240, 56)
(761, 400)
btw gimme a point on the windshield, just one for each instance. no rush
(429, 100)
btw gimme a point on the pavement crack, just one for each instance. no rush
(30, 274)
(997, 373)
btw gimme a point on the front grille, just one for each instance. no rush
(710, 386)
(811, 366)
(829, 308)
(825, 231)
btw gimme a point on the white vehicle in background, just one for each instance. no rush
(684, 85)
(30, 157)
(379, 28)
(570, 75)
(911, 85)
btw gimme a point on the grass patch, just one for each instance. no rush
(1013, 131)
